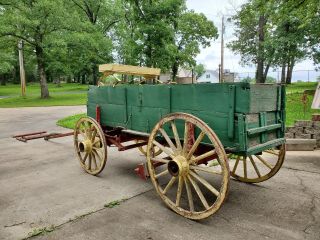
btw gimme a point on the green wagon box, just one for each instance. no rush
(247, 118)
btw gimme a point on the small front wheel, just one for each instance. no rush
(90, 145)
(192, 174)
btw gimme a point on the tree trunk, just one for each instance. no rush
(289, 71)
(260, 58)
(78, 78)
(83, 79)
(42, 72)
(3, 79)
(175, 68)
(266, 70)
(283, 73)
(95, 74)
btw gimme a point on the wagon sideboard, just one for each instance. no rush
(247, 118)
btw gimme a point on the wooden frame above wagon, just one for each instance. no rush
(148, 73)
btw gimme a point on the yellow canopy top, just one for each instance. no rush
(148, 73)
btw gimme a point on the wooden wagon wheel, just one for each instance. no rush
(259, 167)
(90, 145)
(185, 176)
(143, 149)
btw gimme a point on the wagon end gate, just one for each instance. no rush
(265, 129)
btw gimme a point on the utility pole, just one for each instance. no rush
(222, 50)
(22, 72)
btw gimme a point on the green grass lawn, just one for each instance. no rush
(34, 89)
(54, 100)
(64, 95)
(70, 121)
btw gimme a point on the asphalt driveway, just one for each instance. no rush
(43, 186)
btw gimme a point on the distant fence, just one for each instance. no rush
(298, 75)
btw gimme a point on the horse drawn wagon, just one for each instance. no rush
(194, 136)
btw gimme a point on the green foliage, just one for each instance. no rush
(199, 69)
(289, 32)
(112, 204)
(70, 121)
(67, 40)
(248, 80)
(270, 79)
(40, 231)
(295, 109)
(192, 31)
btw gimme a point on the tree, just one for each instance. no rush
(269, 34)
(200, 69)
(7, 60)
(251, 33)
(153, 30)
(102, 15)
(163, 34)
(34, 22)
(301, 21)
(192, 31)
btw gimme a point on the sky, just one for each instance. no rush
(214, 9)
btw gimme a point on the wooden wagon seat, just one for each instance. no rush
(148, 73)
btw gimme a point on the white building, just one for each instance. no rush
(210, 76)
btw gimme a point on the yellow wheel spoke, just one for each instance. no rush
(186, 137)
(159, 160)
(264, 162)
(89, 164)
(165, 135)
(85, 157)
(199, 193)
(176, 136)
(169, 185)
(94, 135)
(195, 145)
(244, 167)
(163, 148)
(82, 134)
(162, 174)
(179, 191)
(271, 152)
(189, 194)
(94, 161)
(203, 156)
(236, 165)
(205, 183)
(255, 166)
(97, 154)
(205, 169)
(98, 158)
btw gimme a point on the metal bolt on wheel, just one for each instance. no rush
(185, 181)
(90, 145)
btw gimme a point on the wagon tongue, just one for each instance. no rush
(43, 134)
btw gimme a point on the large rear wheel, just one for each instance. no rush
(191, 177)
